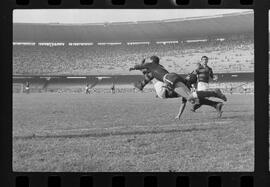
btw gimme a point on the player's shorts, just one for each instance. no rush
(159, 88)
(179, 85)
(184, 91)
(202, 86)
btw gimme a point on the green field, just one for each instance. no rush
(129, 132)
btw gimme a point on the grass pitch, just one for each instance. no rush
(129, 132)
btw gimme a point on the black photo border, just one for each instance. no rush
(259, 178)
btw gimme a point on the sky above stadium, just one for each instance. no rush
(111, 15)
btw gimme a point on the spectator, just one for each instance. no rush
(235, 54)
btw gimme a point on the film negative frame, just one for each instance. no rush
(261, 175)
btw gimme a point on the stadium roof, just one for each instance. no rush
(172, 29)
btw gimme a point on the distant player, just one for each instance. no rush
(231, 90)
(27, 87)
(113, 88)
(87, 89)
(245, 90)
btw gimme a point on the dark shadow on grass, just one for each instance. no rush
(105, 134)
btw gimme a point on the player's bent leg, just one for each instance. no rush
(183, 90)
(171, 94)
(194, 107)
(221, 95)
(159, 88)
(217, 93)
(204, 101)
(208, 102)
(217, 105)
(162, 91)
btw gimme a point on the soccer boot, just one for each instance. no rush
(220, 95)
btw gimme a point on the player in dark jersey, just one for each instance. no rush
(164, 93)
(170, 93)
(175, 81)
(113, 88)
(204, 73)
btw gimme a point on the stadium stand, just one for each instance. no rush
(234, 54)
(97, 49)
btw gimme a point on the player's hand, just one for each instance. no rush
(215, 77)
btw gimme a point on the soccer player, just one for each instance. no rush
(113, 88)
(163, 91)
(27, 87)
(175, 82)
(87, 89)
(231, 89)
(204, 73)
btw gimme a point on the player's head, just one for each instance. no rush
(204, 60)
(154, 59)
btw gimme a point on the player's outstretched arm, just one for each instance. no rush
(140, 66)
(181, 108)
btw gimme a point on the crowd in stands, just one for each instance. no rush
(230, 55)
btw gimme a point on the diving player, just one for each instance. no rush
(163, 92)
(175, 82)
